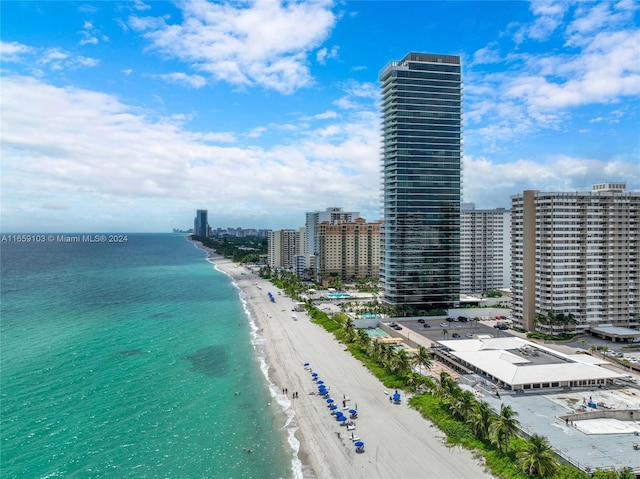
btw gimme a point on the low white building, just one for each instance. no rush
(520, 365)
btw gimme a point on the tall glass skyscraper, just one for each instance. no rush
(421, 163)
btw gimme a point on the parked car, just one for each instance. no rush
(455, 335)
(426, 325)
(421, 320)
(397, 328)
(450, 319)
(469, 335)
(462, 319)
(444, 325)
(393, 324)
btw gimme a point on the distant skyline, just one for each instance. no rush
(130, 116)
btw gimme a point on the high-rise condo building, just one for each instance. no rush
(348, 250)
(576, 253)
(332, 215)
(201, 224)
(421, 158)
(283, 247)
(485, 263)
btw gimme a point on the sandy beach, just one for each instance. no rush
(398, 441)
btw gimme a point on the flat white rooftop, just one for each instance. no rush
(517, 362)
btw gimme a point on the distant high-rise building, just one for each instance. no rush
(578, 254)
(485, 236)
(201, 224)
(421, 162)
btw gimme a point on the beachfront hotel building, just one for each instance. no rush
(201, 224)
(485, 237)
(576, 253)
(420, 166)
(283, 247)
(348, 250)
(308, 265)
(332, 215)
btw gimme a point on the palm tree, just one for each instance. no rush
(539, 320)
(552, 319)
(462, 405)
(402, 362)
(504, 427)
(480, 419)
(422, 358)
(537, 458)
(363, 338)
(350, 330)
(446, 386)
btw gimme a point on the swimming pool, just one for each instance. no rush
(338, 295)
(376, 333)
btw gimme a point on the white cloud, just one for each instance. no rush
(324, 54)
(38, 58)
(556, 173)
(56, 140)
(90, 34)
(597, 67)
(257, 132)
(14, 51)
(194, 81)
(326, 115)
(549, 16)
(140, 5)
(234, 43)
(488, 54)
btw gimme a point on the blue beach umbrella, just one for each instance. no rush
(330, 400)
(315, 375)
(306, 364)
(396, 397)
(353, 411)
(358, 443)
(320, 381)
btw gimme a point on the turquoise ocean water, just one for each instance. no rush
(132, 359)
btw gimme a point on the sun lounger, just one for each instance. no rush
(355, 438)
(351, 427)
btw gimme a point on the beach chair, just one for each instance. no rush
(351, 427)
(354, 438)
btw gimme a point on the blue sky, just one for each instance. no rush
(129, 116)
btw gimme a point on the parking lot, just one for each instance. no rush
(434, 328)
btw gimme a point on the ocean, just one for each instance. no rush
(132, 359)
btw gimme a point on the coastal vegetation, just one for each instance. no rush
(247, 249)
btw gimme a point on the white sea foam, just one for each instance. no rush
(283, 402)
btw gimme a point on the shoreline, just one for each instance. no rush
(399, 442)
